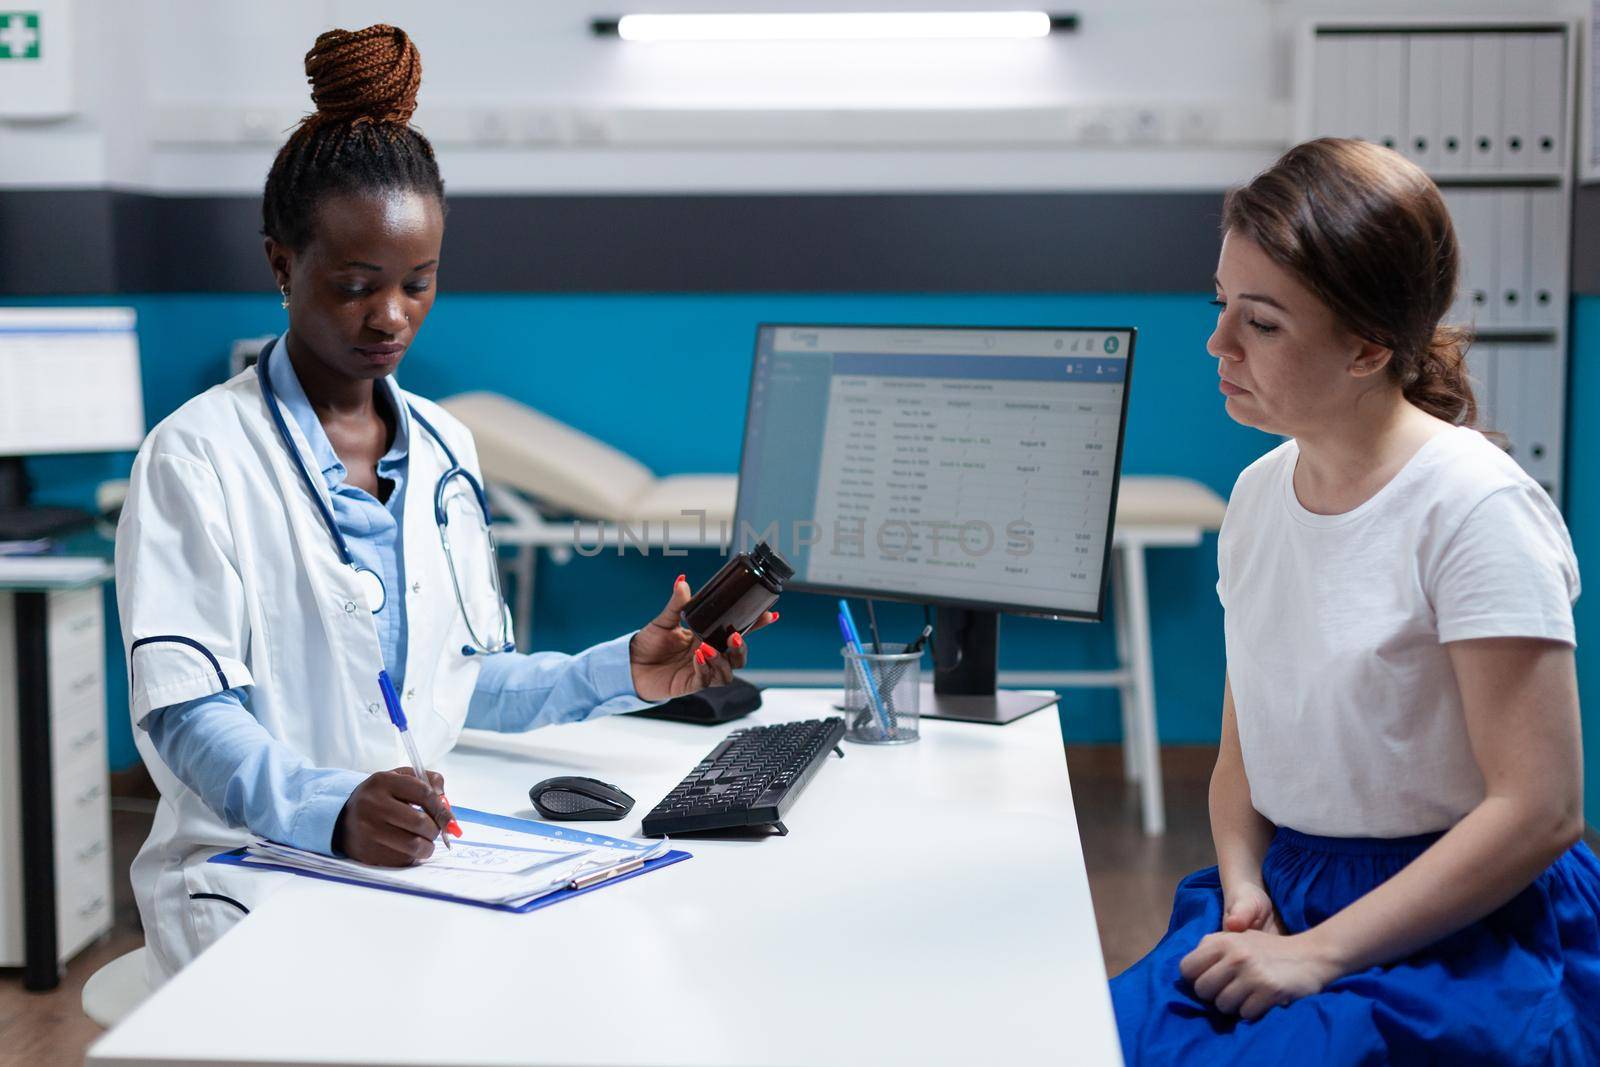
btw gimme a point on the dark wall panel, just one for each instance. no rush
(883, 243)
(1586, 241)
(189, 244)
(93, 242)
(56, 241)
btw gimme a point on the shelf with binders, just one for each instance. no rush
(1484, 106)
(1513, 245)
(1518, 384)
(1465, 102)
(1513, 293)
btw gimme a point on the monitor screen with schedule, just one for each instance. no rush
(955, 465)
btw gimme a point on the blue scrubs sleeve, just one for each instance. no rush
(520, 692)
(247, 777)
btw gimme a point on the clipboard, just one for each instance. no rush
(236, 858)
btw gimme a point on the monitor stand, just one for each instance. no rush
(965, 665)
(20, 521)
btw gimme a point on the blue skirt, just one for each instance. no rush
(1521, 986)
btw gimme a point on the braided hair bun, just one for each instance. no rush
(368, 75)
(359, 140)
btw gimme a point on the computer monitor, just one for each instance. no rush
(69, 382)
(973, 468)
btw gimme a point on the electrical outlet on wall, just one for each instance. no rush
(1144, 125)
(541, 126)
(1195, 125)
(491, 127)
(1096, 126)
(590, 127)
(260, 126)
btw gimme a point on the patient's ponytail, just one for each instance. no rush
(1438, 383)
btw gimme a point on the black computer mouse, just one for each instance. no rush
(573, 798)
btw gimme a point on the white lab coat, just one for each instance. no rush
(227, 576)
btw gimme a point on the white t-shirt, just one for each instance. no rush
(1350, 720)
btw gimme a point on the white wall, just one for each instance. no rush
(195, 96)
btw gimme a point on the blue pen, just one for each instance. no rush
(847, 627)
(398, 717)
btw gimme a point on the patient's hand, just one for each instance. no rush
(669, 661)
(1250, 908)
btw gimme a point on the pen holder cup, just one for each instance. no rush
(897, 676)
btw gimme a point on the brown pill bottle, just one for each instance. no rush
(737, 595)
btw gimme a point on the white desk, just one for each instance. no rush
(929, 906)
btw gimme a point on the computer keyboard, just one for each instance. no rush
(750, 779)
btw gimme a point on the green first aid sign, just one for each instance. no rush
(19, 35)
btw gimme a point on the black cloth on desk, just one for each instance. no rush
(710, 706)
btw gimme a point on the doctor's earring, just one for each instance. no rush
(284, 289)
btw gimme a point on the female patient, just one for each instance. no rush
(284, 542)
(1396, 803)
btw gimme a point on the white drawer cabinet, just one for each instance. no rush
(79, 839)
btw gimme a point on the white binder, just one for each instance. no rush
(1548, 92)
(1330, 103)
(1486, 75)
(1480, 373)
(1461, 308)
(1486, 244)
(1508, 388)
(1547, 256)
(1510, 257)
(1472, 211)
(1455, 102)
(1387, 93)
(1528, 395)
(1544, 393)
(1360, 71)
(1516, 104)
(1421, 143)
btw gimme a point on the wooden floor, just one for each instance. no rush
(1130, 876)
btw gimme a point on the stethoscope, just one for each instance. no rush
(371, 583)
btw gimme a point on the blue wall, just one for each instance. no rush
(664, 378)
(683, 363)
(1583, 520)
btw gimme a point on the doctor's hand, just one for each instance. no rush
(669, 661)
(380, 823)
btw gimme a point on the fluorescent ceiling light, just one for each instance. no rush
(838, 26)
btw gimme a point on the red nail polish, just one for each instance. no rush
(774, 616)
(680, 578)
(700, 655)
(711, 653)
(736, 641)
